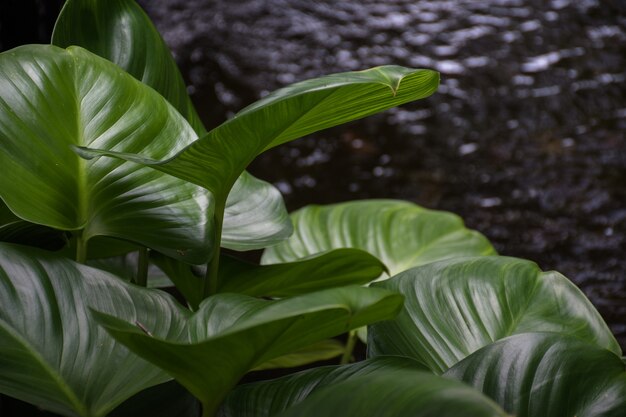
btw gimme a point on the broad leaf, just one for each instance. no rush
(456, 307)
(30, 234)
(121, 32)
(216, 160)
(382, 387)
(231, 334)
(52, 99)
(52, 354)
(325, 270)
(548, 375)
(399, 233)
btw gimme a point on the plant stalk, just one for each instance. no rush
(81, 248)
(350, 343)
(141, 278)
(210, 282)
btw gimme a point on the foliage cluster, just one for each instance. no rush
(112, 186)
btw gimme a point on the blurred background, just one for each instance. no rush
(525, 138)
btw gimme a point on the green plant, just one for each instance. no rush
(158, 199)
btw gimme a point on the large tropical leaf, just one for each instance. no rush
(382, 387)
(218, 158)
(120, 31)
(548, 375)
(52, 99)
(231, 334)
(456, 307)
(399, 233)
(325, 270)
(52, 353)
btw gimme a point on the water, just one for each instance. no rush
(525, 138)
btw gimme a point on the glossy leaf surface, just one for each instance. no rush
(120, 31)
(388, 387)
(52, 353)
(399, 233)
(52, 99)
(454, 307)
(231, 334)
(326, 270)
(548, 375)
(218, 158)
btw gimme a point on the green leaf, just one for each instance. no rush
(255, 216)
(216, 160)
(399, 233)
(456, 307)
(52, 353)
(231, 334)
(320, 351)
(52, 99)
(326, 270)
(548, 375)
(120, 31)
(381, 387)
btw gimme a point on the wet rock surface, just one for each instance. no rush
(525, 138)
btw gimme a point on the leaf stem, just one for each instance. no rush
(142, 267)
(350, 343)
(210, 282)
(81, 248)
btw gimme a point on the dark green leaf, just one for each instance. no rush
(320, 351)
(165, 400)
(52, 353)
(456, 307)
(382, 387)
(548, 375)
(399, 233)
(326, 270)
(231, 334)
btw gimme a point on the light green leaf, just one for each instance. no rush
(218, 158)
(325, 270)
(456, 307)
(255, 216)
(52, 99)
(381, 387)
(548, 375)
(120, 31)
(231, 334)
(399, 233)
(320, 351)
(52, 354)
